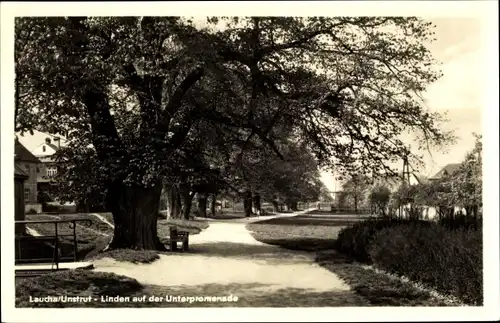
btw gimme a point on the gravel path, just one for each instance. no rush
(227, 254)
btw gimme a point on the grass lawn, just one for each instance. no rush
(298, 232)
(93, 239)
(327, 211)
(90, 240)
(377, 288)
(96, 284)
(129, 255)
(228, 214)
(318, 236)
(192, 226)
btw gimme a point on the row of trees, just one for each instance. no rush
(251, 105)
(259, 175)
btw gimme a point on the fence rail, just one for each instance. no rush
(53, 239)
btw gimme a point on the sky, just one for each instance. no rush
(459, 92)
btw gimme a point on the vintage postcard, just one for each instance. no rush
(287, 161)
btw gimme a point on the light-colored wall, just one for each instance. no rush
(19, 211)
(31, 182)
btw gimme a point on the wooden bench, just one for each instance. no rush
(178, 236)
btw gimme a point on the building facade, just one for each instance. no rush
(19, 212)
(48, 168)
(30, 165)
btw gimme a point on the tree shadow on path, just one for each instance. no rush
(265, 252)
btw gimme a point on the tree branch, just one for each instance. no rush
(218, 117)
(175, 102)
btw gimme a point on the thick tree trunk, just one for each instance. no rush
(174, 202)
(276, 206)
(256, 204)
(247, 203)
(187, 201)
(135, 215)
(213, 204)
(178, 200)
(202, 204)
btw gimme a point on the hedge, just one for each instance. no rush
(449, 261)
(356, 240)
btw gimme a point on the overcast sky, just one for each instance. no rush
(459, 91)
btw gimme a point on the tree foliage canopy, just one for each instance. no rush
(135, 87)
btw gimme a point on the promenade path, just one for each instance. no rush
(225, 258)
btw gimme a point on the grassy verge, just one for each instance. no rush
(377, 288)
(101, 286)
(91, 240)
(73, 283)
(191, 226)
(319, 237)
(297, 233)
(362, 213)
(129, 255)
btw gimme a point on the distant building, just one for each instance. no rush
(447, 170)
(43, 146)
(30, 165)
(393, 183)
(19, 204)
(49, 168)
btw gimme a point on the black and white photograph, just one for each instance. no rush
(239, 160)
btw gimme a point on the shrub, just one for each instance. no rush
(460, 221)
(448, 260)
(356, 240)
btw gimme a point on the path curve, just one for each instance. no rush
(227, 254)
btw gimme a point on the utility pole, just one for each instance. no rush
(406, 171)
(406, 180)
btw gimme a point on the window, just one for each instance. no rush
(51, 171)
(43, 148)
(27, 167)
(26, 194)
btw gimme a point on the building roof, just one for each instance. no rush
(447, 170)
(421, 178)
(50, 145)
(32, 141)
(23, 154)
(394, 181)
(19, 172)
